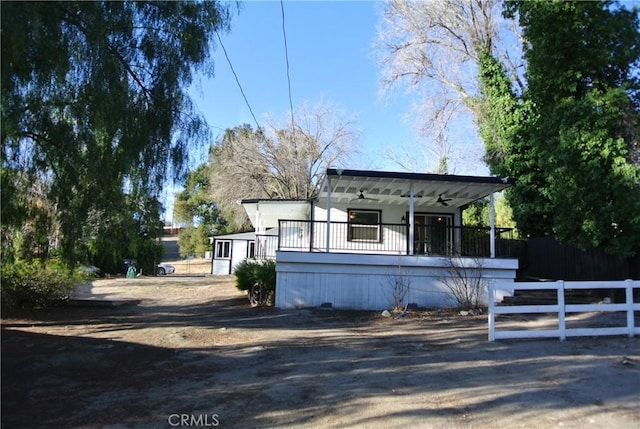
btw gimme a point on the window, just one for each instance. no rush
(251, 249)
(364, 225)
(223, 249)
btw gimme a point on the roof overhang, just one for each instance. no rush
(265, 213)
(249, 235)
(394, 188)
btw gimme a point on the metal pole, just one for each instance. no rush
(411, 221)
(328, 214)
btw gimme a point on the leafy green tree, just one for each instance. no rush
(477, 213)
(194, 241)
(571, 138)
(194, 205)
(94, 103)
(129, 230)
(195, 208)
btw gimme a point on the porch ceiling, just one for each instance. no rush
(393, 188)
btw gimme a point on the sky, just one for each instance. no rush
(330, 46)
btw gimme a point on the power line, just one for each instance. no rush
(237, 80)
(286, 55)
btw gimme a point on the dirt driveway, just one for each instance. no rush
(193, 353)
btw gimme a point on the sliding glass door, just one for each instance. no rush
(433, 234)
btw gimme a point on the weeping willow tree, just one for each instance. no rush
(95, 110)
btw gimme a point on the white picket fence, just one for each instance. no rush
(562, 309)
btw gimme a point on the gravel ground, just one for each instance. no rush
(193, 353)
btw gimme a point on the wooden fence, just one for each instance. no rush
(561, 309)
(547, 258)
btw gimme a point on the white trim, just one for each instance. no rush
(403, 260)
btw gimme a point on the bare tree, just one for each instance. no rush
(236, 171)
(279, 161)
(429, 47)
(419, 157)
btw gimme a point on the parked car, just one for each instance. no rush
(164, 269)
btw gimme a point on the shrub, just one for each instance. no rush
(397, 289)
(36, 284)
(465, 282)
(249, 273)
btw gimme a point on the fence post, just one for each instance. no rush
(630, 315)
(561, 313)
(492, 316)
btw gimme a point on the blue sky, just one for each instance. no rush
(330, 47)
(331, 58)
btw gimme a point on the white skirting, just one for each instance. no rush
(365, 282)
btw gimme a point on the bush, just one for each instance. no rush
(249, 273)
(37, 284)
(465, 282)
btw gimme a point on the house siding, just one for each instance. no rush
(393, 239)
(363, 282)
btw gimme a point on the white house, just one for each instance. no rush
(366, 229)
(231, 249)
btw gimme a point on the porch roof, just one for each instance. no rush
(267, 212)
(393, 188)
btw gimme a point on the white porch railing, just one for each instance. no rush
(562, 309)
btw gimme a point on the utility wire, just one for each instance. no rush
(286, 55)
(237, 80)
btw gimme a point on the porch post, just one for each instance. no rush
(259, 242)
(492, 224)
(411, 221)
(328, 214)
(312, 232)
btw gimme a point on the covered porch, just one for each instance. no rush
(397, 213)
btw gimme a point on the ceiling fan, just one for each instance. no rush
(443, 201)
(361, 197)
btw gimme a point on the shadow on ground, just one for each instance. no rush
(304, 368)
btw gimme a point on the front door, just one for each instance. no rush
(433, 234)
